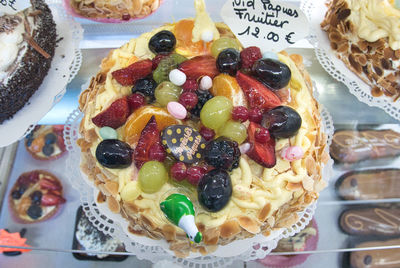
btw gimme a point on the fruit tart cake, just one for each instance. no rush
(27, 44)
(183, 126)
(364, 34)
(36, 196)
(112, 11)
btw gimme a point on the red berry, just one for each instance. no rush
(189, 100)
(207, 133)
(190, 85)
(179, 171)
(255, 115)
(262, 135)
(240, 113)
(157, 152)
(194, 174)
(135, 101)
(250, 55)
(156, 60)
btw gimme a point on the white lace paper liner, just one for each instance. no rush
(156, 250)
(65, 65)
(315, 11)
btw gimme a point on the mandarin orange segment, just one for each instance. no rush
(183, 32)
(139, 118)
(227, 86)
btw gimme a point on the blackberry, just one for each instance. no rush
(145, 86)
(222, 153)
(203, 97)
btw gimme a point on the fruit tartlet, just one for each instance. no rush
(185, 113)
(36, 196)
(46, 142)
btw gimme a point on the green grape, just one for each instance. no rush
(152, 176)
(234, 130)
(223, 43)
(178, 58)
(161, 73)
(166, 92)
(216, 112)
(166, 65)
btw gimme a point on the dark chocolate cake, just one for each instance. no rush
(33, 33)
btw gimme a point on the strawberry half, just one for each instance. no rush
(199, 66)
(129, 75)
(149, 137)
(262, 153)
(50, 199)
(257, 94)
(114, 116)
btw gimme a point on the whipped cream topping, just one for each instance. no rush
(9, 46)
(375, 19)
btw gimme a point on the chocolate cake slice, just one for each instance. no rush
(27, 42)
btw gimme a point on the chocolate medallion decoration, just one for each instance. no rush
(184, 143)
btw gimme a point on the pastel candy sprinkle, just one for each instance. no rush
(292, 153)
(108, 133)
(244, 148)
(269, 55)
(397, 4)
(177, 77)
(177, 110)
(205, 83)
(207, 36)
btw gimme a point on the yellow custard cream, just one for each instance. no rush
(375, 19)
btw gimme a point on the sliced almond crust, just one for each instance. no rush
(14, 211)
(107, 10)
(233, 229)
(370, 61)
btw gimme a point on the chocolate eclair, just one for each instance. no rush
(371, 221)
(350, 146)
(369, 184)
(385, 258)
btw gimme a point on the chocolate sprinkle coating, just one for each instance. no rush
(33, 68)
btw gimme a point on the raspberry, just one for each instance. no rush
(240, 113)
(250, 55)
(194, 174)
(190, 85)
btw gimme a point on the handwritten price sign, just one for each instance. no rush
(270, 25)
(13, 6)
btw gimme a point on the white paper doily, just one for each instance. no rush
(315, 11)
(65, 65)
(156, 250)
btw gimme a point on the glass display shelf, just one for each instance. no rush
(52, 240)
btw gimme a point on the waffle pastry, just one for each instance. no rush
(363, 35)
(263, 199)
(28, 41)
(122, 10)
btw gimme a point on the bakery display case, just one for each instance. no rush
(354, 223)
